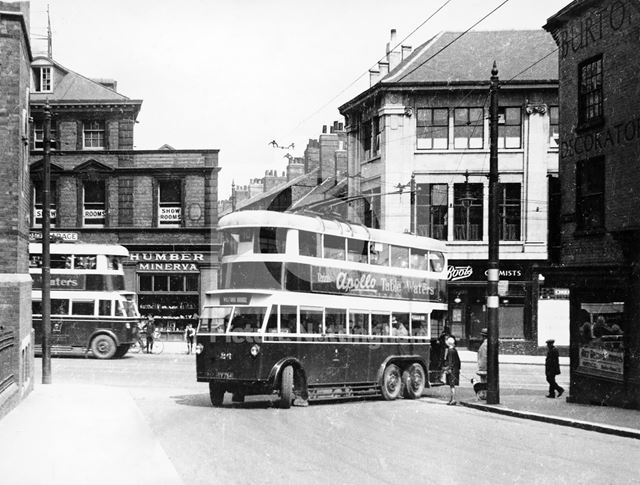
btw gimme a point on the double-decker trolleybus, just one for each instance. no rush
(310, 308)
(90, 309)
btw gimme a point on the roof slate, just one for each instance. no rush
(471, 57)
(71, 86)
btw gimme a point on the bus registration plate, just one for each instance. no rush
(223, 375)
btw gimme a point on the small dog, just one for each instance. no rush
(480, 388)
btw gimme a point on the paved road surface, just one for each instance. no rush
(368, 442)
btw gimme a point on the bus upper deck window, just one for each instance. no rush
(36, 307)
(419, 259)
(379, 254)
(270, 240)
(309, 244)
(35, 261)
(357, 250)
(61, 261)
(229, 243)
(85, 262)
(114, 262)
(436, 261)
(120, 311)
(334, 247)
(399, 257)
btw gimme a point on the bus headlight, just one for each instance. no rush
(255, 350)
(199, 348)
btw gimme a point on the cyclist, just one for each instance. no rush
(150, 329)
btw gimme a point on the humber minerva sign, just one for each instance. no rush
(167, 261)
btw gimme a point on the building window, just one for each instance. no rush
(367, 130)
(170, 203)
(590, 94)
(554, 126)
(38, 200)
(467, 212)
(377, 133)
(38, 136)
(468, 128)
(43, 79)
(509, 210)
(371, 208)
(590, 194)
(432, 128)
(93, 134)
(509, 127)
(94, 203)
(431, 210)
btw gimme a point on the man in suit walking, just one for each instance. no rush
(552, 369)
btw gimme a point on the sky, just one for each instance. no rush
(234, 75)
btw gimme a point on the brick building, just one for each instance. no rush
(598, 43)
(418, 151)
(160, 204)
(16, 346)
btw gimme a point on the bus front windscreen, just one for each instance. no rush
(215, 319)
(247, 319)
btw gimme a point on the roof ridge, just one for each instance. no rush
(416, 55)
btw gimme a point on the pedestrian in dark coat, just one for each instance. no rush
(452, 369)
(552, 369)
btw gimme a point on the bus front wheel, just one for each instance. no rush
(391, 382)
(216, 394)
(286, 387)
(103, 347)
(413, 380)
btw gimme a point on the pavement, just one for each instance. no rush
(80, 434)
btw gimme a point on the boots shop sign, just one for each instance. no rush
(478, 272)
(167, 261)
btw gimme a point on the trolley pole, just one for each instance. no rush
(493, 388)
(46, 251)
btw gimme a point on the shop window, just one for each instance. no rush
(509, 127)
(431, 210)
(94, 203)
(467, 212)
(176, 283)
(38, 203)
(432, 128)
(160, 283)
(554, 126)
(169, 203)
(590, 194)
(509, 211)
(590, 95)
(468, 128)
(192, 282)
(377, 127)
(93, 135)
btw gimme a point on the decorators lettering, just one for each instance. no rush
(618, 134)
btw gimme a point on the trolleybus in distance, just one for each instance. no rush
(312, 309)
(90, 309)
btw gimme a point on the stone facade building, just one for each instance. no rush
(16, 344)
(598, 44)
(160, 204)
(418, 151)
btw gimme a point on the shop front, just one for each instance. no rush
(517, 291)
(171, 287)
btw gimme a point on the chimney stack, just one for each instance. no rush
(393, 54)
(406, 51)
(374, 76)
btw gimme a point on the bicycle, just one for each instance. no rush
(140, 345)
